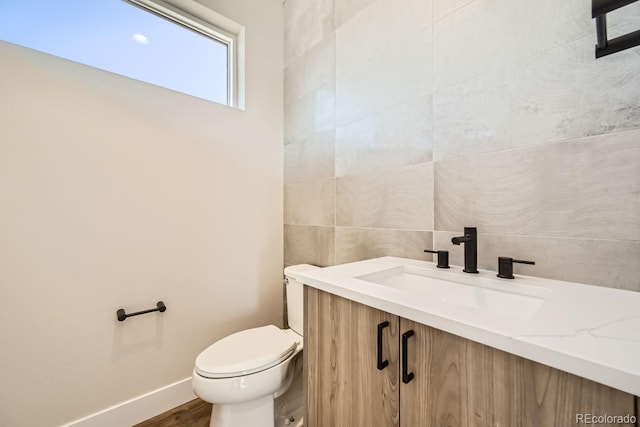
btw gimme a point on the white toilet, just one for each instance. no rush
(242, 373)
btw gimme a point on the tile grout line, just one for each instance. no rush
(579, 139)
(433, 121)
(335, 109)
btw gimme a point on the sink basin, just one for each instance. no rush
(481, 293)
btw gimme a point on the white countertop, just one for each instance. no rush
(589, 331)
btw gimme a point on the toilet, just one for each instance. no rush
(242, 374)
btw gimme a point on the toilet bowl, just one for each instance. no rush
(242, 373)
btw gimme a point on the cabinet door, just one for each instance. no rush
(436, 393)
(458, 382)
(342, 383)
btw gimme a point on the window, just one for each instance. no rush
(147, 40)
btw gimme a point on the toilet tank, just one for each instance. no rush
(295, 296)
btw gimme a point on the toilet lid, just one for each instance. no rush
(245, 352)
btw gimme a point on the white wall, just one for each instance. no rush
(115, 193)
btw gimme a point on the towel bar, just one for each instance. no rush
(122, 315)
(604, 46)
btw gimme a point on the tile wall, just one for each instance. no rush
(406, 120)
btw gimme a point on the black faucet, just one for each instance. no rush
(443, 258)
(470, 240)
(505, 266)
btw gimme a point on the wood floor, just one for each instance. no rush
(196, 413)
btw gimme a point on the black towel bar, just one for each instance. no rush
(122, 315)
(602, 7)
(604, 46)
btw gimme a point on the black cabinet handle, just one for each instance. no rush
(381, 363)
(406, 376)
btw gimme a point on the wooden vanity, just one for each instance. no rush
(456, 382)
(355, 375)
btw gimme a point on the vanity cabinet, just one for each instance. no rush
(343, 386)
(456, 382)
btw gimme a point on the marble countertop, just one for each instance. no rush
(589, 331)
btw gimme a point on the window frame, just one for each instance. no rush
(214, 26)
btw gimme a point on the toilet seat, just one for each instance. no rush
(245, 352)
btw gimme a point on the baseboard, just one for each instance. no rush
(140, 408)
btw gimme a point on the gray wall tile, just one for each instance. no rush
(314, 69)
(398, 136)
(310, 203)
(309, 159)
(559, 95)
(609, 263)
(381, 27)
(472, 117)
(294, 9)
(584, 188)
(442, 8)
(396, 198)
(308, 29)
(503, 96)
(392, 77)
(304, 244)
(486, 34)
(355, 244)
(566, 94)
(313, 113)
(347, 9)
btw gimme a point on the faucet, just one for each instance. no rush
(470, 240)
(505, 266)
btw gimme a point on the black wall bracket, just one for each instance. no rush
(604, 46)
(122, 315)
